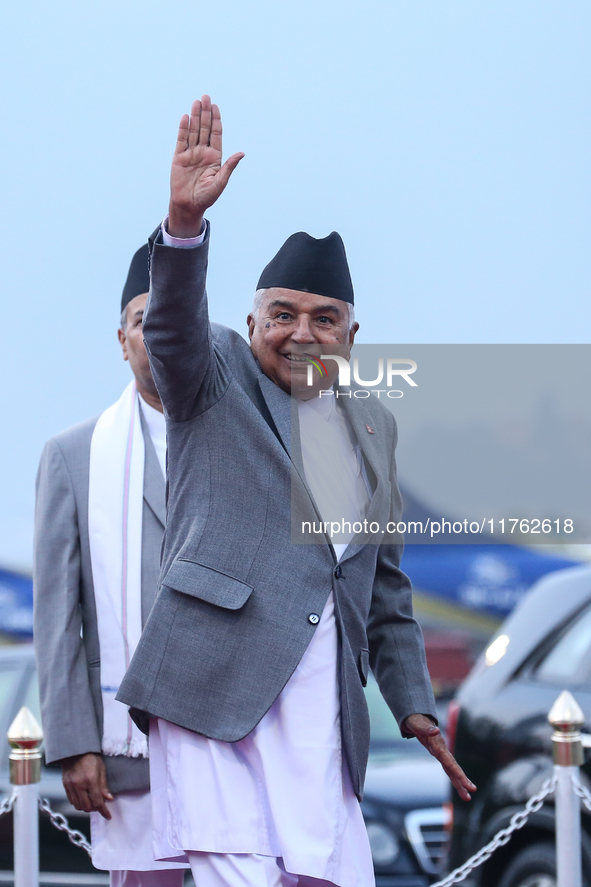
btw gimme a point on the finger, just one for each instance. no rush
(104, 811)
(437, 746)
(77, 801)
(461, 789)
(205, 127)
(98, 802)
(182, 139)
(228, 168)
(456, 775)
(72, 796)
(215, 139)
(85, 802)
(80, 785)
(194, 123)
(104, 786)
(439, 750)
(459, 780)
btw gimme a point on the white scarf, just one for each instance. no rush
(115, 506)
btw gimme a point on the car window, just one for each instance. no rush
(570, 659)
(384, 728)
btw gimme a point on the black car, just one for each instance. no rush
(406, 791)
(502, 735)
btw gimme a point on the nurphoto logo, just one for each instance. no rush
(396, 368)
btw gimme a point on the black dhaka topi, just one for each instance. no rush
(138, 276)
(311, 265)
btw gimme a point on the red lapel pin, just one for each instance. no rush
(370, 429)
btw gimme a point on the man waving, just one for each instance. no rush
(251, 667)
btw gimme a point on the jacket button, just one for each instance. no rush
(314, 618)
(338, 572)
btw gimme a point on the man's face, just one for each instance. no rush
(288, 322)
(132, 345)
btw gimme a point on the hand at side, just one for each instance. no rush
(431, 737)
(197, 177)
(85, 781)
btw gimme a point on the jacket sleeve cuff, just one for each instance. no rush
(182, 242)
(405, 733)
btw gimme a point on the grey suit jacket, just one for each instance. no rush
(66, 637)
(231, 620)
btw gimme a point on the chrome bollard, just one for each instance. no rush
(567, 719)
(25, 737)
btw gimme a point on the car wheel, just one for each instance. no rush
(533, 867)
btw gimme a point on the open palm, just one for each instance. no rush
(197, 177)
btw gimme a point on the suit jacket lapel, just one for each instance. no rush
(154, 484)
(280, 406)
(284, 413)
(371, 443)
(374, 449)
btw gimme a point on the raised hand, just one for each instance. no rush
(430, 736)
(197, 177)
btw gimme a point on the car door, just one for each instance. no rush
(561, 662)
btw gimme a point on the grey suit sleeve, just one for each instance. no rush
(188, 373)
(396, 645)
(67, 711)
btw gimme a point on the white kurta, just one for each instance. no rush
(124, 843)
(284, 790)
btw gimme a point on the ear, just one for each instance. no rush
(251, 325)
(123, 342)
(352, 332)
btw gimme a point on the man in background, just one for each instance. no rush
(98, 530)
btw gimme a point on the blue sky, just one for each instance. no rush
(447, 141)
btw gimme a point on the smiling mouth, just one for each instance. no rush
(297, 358)
(297, 361)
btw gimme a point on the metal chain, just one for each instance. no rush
(501, 838)
(61, 823)
(7, 803)
(583, 793)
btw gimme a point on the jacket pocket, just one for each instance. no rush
(207, 584)
(363, 665)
